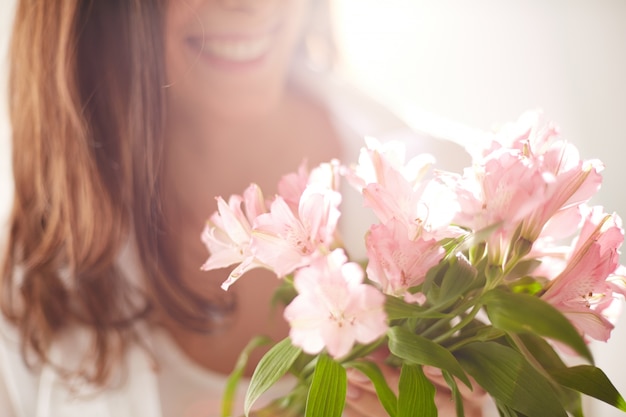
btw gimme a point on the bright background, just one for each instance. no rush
(478, 63)
(484, 62)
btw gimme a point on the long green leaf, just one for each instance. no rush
(541, 352)
(273, 366)
(456, 394)
(235, 376)
(459, 276)
(521, 313)
(590, 381)
(506, 411)
(416, 396)
(510, 379)
(419, 350)
(327, 394)
(398, 309)
(385, 394)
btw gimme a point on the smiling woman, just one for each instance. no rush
(127, 118)
(222, 58)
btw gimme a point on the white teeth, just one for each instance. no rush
(238, 50)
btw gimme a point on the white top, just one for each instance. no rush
(181, 387)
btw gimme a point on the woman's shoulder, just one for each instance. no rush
(42, 391)
(18, 384)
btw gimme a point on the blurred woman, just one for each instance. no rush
(128, 117)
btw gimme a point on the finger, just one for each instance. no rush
(362, 403)
(361, 381)
(477, 393)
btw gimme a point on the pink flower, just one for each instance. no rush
(570, 181)
(583, 290)
(384, 163)
(227, 234)
(504, 189)
(500, 191)
(284, 240)
(528, 134)
(394, 189)
(334, 309)
(523, 181)
(397, 263)
(291, 186)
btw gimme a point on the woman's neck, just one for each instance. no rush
(223, 158)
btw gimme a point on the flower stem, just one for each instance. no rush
(466, 320)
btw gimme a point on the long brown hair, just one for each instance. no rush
(86, 107)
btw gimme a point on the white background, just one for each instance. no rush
(482, 62)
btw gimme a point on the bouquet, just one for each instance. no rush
(496, 276)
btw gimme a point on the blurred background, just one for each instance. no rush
(479, 63)
(484, 62)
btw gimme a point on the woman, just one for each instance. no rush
(128, 117)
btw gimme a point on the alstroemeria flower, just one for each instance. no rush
(285, 241)
(570, 181)
(528, 134)
(227, 234)
(394, 189)
(291, 186)
(503, 189)
(334, 309)
(500, 191)
(583, 290)
(397, 263)
(382, 163)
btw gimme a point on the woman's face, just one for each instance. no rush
(230, 58)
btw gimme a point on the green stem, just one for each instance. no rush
(464, 322)
(475, 337)
(463, 306)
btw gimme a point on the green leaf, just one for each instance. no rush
(233, 379)
(543, 354)
(590, 381)
(456, 394)
(520, 313)
(396, 309)
(416, 396)
(385, 394)
(273, 366)
(419, 350)
(526, 284)
(488, 333)
(506, 375)
(541, 350)
(327, 395)
(520, 270)
(506, 411)
(459, 276)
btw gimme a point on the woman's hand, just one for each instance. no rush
(362, 401)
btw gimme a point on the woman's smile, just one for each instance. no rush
(231, 62)
(233, 49)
